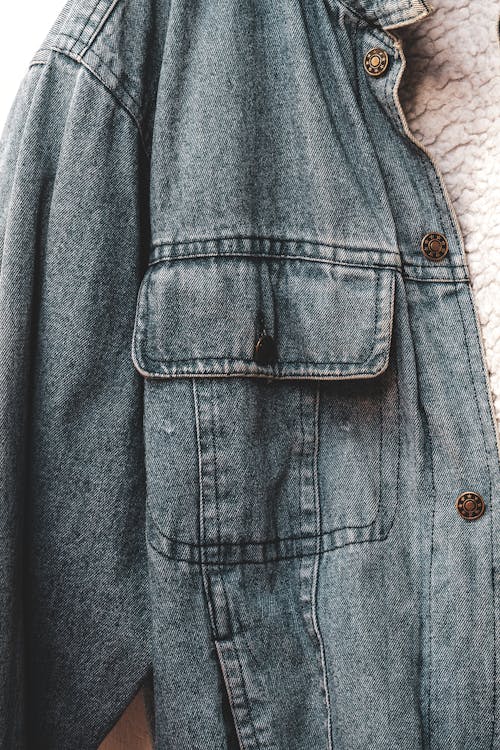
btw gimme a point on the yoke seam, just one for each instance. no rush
(78, 59)
(80, 56)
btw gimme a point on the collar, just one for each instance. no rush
(390, 14)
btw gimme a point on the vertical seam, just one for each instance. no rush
(398, 469)
(314, 588)
(216, 488)
(429, 588)
(380, 455)
(201, 520)
(422, 410)
(490, 499)
(245, 693)
(201, 533)
(229, 695)
(233, 645)
(301, 489)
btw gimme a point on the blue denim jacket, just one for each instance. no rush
(247, 451)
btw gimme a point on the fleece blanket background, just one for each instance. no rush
(451, 96)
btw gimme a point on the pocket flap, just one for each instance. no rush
(256, 316)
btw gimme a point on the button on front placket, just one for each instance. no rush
(434, 246)
(470, 505)
(376, 61)
(455, 403)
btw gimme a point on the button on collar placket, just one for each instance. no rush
(436, 205)
(376, 61)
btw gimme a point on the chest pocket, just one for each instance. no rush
(271, 407)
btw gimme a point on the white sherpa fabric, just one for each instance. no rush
(450, 93)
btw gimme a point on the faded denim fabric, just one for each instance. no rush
(273, 544)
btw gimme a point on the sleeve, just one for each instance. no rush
(15, 299)
(73, 239)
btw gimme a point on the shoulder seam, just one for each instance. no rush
(110, 89)
(75, 35)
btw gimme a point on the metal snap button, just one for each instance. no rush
(434, 246)
(376, 61)
(265, 352)
(470, 505)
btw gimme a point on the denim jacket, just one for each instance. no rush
(246, 441)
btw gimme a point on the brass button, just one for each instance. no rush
(470, 505)
(265, 352)
(376, 61)
(434, 246)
